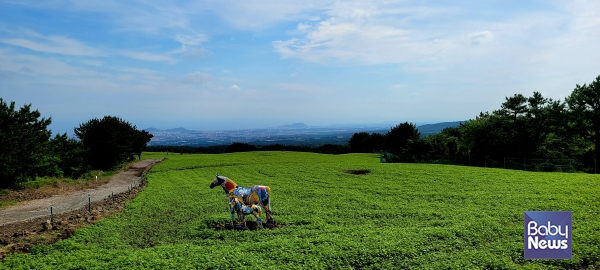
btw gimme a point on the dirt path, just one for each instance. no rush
(63, 203)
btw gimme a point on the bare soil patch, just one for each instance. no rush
(357, 171)
(47, 191)
(250, 224)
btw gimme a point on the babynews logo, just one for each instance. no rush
(548, 234)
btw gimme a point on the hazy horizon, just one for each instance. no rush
(56, 128)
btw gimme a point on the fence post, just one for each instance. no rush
(89, 203)
(51, 217)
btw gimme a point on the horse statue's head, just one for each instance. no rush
(224, 182)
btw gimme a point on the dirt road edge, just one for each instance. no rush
(23, 235)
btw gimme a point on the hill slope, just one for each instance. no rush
(393, 216)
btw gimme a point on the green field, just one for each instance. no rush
(397, 216)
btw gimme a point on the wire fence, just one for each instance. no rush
(59, 204)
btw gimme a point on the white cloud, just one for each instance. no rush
(194, 40)
(303, 27)
(151, 17)
(358, 31)
(252, 14)
(70, 47)
(95, 63)
(341, 40)
(199, 78)
(432, 39)
(53, 44)
(388, 52)
(481, 38)
(190, 45)
(145, 56)
(300, 88)
(15, 62)
(142, 71)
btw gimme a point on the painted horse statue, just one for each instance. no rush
(256, 195)
(243, 210)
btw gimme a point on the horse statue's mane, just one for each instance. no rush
(227, 184)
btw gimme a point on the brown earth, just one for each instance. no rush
(250, 225)
(357, 171)
(30, 222)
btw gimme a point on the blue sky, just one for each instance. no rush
(209, 65)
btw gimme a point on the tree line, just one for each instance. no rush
(28, 150)
(534, 127)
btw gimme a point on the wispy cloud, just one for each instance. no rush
(193, 40)
(199, 78)
(145, 56)
(257, 14)
(95, 63)
(190, 45)
(481, 38)
(52, 44)
(24, 63)
(142, 71)
(62, 45)
(376, 32)
(359, 31)
(404, 57)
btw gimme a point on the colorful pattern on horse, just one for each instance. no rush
(256, 195)
(243, 210)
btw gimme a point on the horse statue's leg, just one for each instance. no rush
(257, 212)
(232, 210)
(261, 195)
(268, 209)
(241, 210)
(242, 219)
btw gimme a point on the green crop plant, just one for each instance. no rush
(389, 216)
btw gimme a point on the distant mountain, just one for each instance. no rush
(294, 126)
(294, 134)
(429, 129)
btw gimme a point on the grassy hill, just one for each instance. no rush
(396, 216)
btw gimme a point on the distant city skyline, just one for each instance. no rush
(222, 65)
